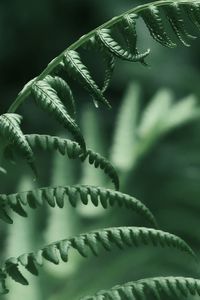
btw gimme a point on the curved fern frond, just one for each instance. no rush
(104, 36)
(109, 62)
(175, 17)
(108, 59)
(156, 287)
(74, 194)
(193, 11)
(80, 72)
(10, 131)
(120, 237)
(153, 21)
(63, 91)
(73, 151)
(46, 97)
(152, 15)
(129, 32)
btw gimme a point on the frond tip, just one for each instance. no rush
(121, 237)
(171, 287)
(74, 194)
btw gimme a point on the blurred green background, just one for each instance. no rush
(158, 158)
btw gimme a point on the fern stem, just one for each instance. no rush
(23, 95)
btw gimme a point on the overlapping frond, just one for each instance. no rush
(120, 237)
(154, 15)
(73, 194)
(170, 287)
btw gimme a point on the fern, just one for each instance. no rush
(116, 39)
(157, 287)
(120, 237)
(57, 195)
(73, 151)
(47, 98)
(11, 133)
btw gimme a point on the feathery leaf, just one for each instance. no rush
(47, 98)
(80, 72)
(74, 194)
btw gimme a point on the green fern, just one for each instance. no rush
(48, 99)
(120, 237)
(157, 287)
(73, 151)
(74, 194)
(11, 133)
(53, 94)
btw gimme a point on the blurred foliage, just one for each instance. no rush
(158, 161)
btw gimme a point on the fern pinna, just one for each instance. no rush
(54, 95)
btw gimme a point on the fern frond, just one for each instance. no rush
(193, 11)
(11, 133)
(175, 16)
(128, 28)
(152, 15)
(153, 21)
(73, 151)
(109, 62)
(74, 194)
(63, 91)
(46, 97)
(108, 59)
(156, 287)
(80, 72)
(120, 237)
(105, 37)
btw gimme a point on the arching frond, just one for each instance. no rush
(73, 151)
(11, 133)
(157, 287)
(153, 14)
(174, 14)
(120, 237)
(63, 91)
(47, 98)
(52, 196)
(80, 72)
(152, 19)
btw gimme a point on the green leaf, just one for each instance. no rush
(104, 36)
(47, 98)
(63, 91)
(175, 17)
(12, 134)
(153, 21)
(80, 72)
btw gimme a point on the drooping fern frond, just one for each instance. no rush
(104, 36)
(74, 194)
(157, 287)
(64, 93)
(73, 151)
(48, 99)
(153, 14)
(11, 133)
(120, 237)
(79, 71)
(174, 15)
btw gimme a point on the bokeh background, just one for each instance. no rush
(157, 158)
